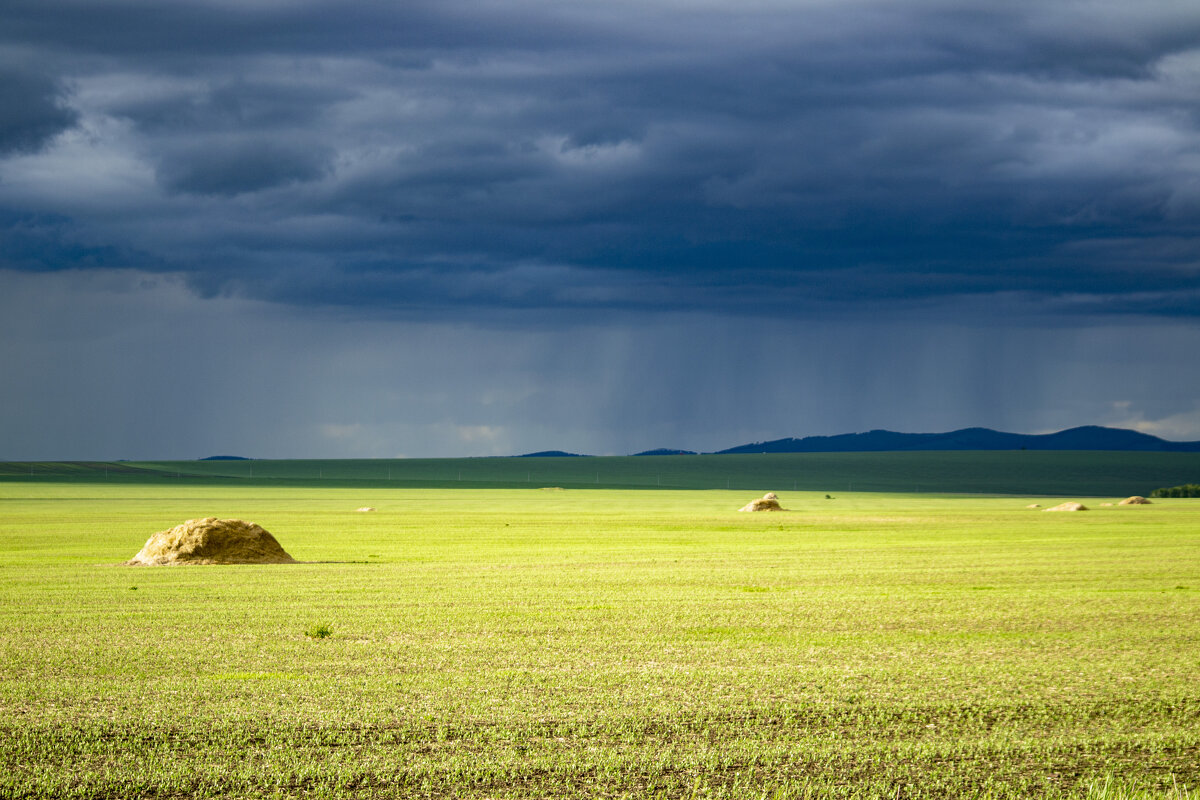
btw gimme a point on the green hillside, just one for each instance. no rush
(1095, 473)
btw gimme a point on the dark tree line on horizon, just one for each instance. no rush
(1186, 490)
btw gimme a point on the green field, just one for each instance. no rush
(1084, 473)
(598, 643)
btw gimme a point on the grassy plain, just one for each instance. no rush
(599, 643)
(1087, 472)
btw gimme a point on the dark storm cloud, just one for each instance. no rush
(32, 110)
(789, 158)
(176, 32)
(48, 242)
(232, 106)
(238, 167)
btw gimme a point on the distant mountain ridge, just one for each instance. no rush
(1087, 437)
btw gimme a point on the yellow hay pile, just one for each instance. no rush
(1069, 507)
(365, 509)
(1136, 500)
(1034, 505)
(768, 502)
(212, 541)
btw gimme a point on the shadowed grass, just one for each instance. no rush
(1083, 473)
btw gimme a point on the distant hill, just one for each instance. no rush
(225, 458)
(1088, 437)
(665, 451)
(552, 454)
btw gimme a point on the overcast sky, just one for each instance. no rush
(317, 229)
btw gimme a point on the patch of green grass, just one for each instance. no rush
(1112, 787)
(319, 631)
(516, 643)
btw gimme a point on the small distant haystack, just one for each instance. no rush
(365, 509)
(1069, 507)
(1034, 505)
(212, 541)
(768, 502)
(1106, 505)
(1136, 500)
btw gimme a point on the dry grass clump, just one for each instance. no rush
(1069, 507)
(365, 509)
(212, 541)
(768, 502)
(1136, 500)
(1034, 505)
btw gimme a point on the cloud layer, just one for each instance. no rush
(469, 227)
(469, 156)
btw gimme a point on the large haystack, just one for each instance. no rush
(212, 541)
(1136, 500)
(1069, 507)
(768, 502)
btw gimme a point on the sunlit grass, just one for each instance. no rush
(599, 643)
